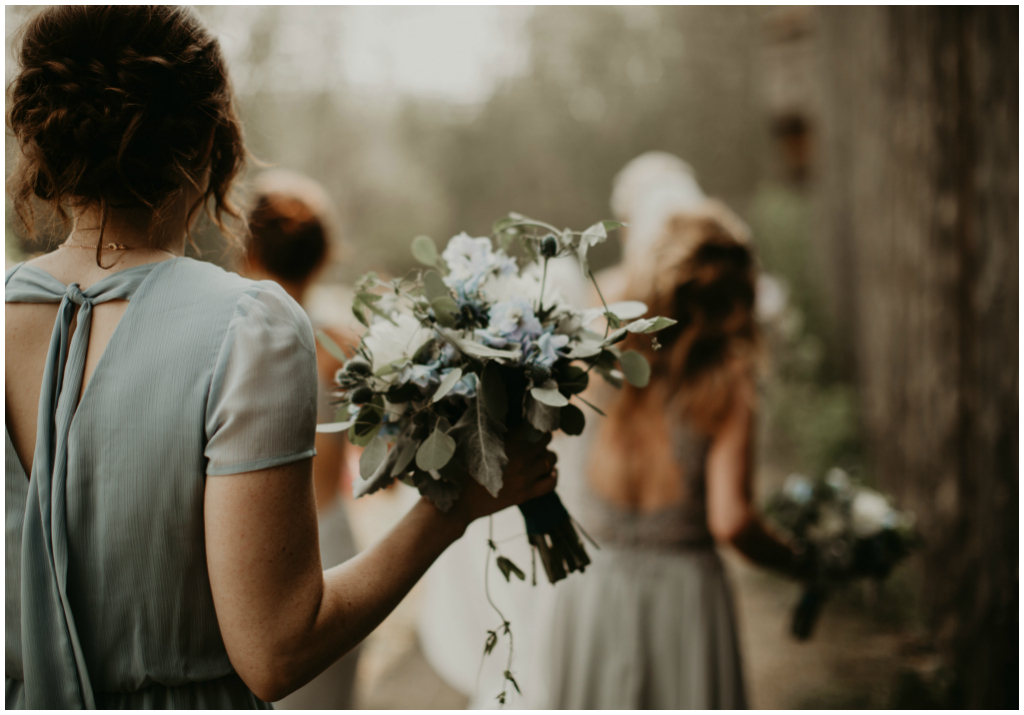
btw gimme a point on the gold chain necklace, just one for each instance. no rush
(109, 246)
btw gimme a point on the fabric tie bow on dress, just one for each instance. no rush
(55, 673)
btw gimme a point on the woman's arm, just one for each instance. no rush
(283, 619)
(732, 518)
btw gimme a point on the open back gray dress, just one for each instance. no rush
(107, 597)
(650, 624)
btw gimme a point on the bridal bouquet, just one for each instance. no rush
(473, 345)
(848, 532)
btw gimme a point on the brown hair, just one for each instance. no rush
(286, 237)
(705, 281)
(117, 107)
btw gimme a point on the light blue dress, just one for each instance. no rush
(108, 601)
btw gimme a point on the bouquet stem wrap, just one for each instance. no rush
(550, 530)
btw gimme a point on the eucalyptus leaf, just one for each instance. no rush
(612, 225)
(586, 349)
(332, 427)
(650, 325)
(628, 309)
(615, 337)
(330, 346)
(357, 310)
(361, 439)
(434, 286)
(447, 384)
(549, 396)
(543, 417)
(571, 420)
(442, 493)
(424, 250)
(493, 392)
(613, 320)
(446, 310)
(378, 480)
(372, 457)
(483, 447)
(435, 451)
(406, 451)
(636, 368)
(592, 406)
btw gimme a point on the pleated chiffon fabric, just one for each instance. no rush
(107, 596)
(642, 629)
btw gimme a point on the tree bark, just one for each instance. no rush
(919, 206)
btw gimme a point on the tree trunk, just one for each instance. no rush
(919, 206)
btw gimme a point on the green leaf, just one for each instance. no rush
(612, 225)
(362, 438)
(330, 346)
(434, 287)
(628, 309)
(435, 452)
(406, 451)
(372, 457)
(332, 427)
(613, 320)
(571, 420)
(446, 311)
(508, 677)
(493, 393)
(635, 368)
(615, 337)
(572, 379)
(508, 568)
(505, 223)
(483, 446)
(357, 310)
(447, 384)
(543, 417)
(367, 422)
(424, 250)
(549, 396)
(650, 325)
(492, 640)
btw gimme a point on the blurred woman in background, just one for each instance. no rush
(161, 546)
(290, 240)
(667, 475)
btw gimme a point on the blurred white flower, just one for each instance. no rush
(772, 297)
(388, 342)
(837, 479)
(870, 513)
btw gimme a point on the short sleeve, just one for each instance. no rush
(262, 406)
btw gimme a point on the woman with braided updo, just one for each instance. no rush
(161, 531)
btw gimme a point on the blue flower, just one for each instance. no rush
(548, 346)
(513, 320)
(471, 260)
(466, 386)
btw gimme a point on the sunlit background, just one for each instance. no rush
(433, 121)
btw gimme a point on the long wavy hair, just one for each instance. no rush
(703, 276)
(122, 107)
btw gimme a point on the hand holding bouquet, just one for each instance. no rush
(459, 355)
(846, 531)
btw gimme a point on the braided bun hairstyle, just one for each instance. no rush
(122, 107)
(705, 281)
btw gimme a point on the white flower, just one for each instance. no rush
(389, 342)
(772, 297)
(471, 260)
(870, 513)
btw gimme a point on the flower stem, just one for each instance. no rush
(543, 282)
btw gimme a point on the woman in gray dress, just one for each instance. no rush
(289, 242)
(161, 532)
(667, 475)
